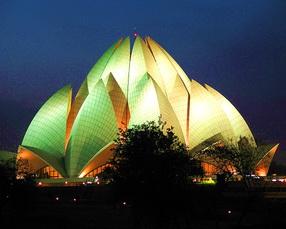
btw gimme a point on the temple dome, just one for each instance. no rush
(73, 138)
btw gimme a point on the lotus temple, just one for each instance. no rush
(73, 136)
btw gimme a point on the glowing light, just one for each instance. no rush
(154, 84)
(207, 180)
(40, 183)
(124, 203)
(74, 199)
(229, 211)
(96, 180)
(57, 198)
(200, 109)
(262, 172)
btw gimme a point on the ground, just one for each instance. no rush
(92, 207)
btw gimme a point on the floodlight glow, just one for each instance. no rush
(128, 86)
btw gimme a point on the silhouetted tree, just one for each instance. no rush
(238, 158)
(24, 171)
(151, 168)
(7, 178)
(16, 185)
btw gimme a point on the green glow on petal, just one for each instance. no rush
(47, 131)
(94, 127)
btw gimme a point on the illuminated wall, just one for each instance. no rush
(127, 86)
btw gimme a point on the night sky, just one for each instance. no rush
(238, 47)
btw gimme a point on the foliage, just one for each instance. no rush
(24, 171)
(7, 169)
(14, 171)
(236, 158)
(7, 176)
(149, 158)
(16, 185)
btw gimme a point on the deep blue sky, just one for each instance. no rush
(238, 47)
